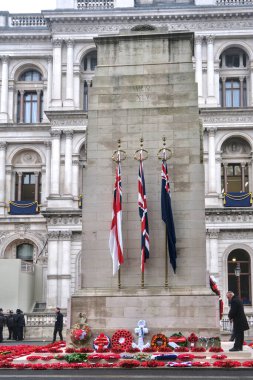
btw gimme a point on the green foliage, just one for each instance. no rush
(76, 358)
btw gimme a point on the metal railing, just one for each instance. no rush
(28, 21)
(94, 4)
(234, 2)
(226, 325)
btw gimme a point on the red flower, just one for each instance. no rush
(216, 349)
(129, 363)
(181, 349)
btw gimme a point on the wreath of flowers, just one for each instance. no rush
(101, 342)
(79, 334)
(159, 341)
(122, 339)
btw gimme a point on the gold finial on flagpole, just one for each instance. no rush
(164, 153)
(119, 154)
(141, 154)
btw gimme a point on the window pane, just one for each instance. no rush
(237, 170)
(236, 98)
(25, 252)
(31, 75)
(34, 109)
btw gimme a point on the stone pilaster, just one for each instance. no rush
(69, 101)
(3, 146)
(68, 162)
(57, 74)
(4, 89)
(55, 162)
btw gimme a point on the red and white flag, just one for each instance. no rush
(115, 240)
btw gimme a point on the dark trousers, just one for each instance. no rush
(10, 332)
(239, 339)
(1, 334)
(57, 330)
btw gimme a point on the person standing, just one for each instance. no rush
(2, 323)
(19, 323)
(10, 324)
(237, 316)
(58, 326)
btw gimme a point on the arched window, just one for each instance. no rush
(90, 61)
(30, 97)
(24, 252)
(239, 275)
(234, 75)
(236, 156)
(89, 64)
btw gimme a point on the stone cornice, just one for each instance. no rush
(229, 216)
(67, 118)
(221, 115)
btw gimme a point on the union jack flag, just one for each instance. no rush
(167, 215)
(115, 240)
(143, 212)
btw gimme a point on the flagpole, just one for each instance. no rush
(141, 155)
(118, 156)
(119, 280)
(164, 154)
(166, 283)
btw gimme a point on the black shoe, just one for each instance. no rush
(234, 349)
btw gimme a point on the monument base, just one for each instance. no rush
(165, 311)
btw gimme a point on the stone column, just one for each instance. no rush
(55, 162)
(213, 250)
(241, 91)
(218, 173)
(69, 102)
(68, 162)
(48, 168)
(3, 146)
(65, 272)
(198, 66)
(75, 178)
(225, 167)
(36, 195)
(4, 89)
(49, 80)
(210, 71)
(52, 270)
(57, 74)
(243, 176)
(38, 106)
(211, 161)
(19, 185)
(21, 114)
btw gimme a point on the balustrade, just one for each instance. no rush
(94, 4)
(28, 21)
(234, 2)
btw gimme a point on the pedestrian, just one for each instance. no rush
(10, 324)
(2, 323)
(19, 323)
(58, 326)
(237, 316)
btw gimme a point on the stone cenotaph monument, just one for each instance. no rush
(144, 87)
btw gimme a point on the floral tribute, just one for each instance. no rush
(178, 339)
(101, 342)
(57, 356)
(192, 339)
(80, 334)
(122, 339)
(158, 342)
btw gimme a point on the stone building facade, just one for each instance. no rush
(47, 66)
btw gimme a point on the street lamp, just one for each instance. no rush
(237, 274)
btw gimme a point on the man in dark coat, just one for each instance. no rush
(19, 324)
(58, 326)
(10, 323)
(237, 316)
(2, 323)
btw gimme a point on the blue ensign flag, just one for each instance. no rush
(167, 215)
